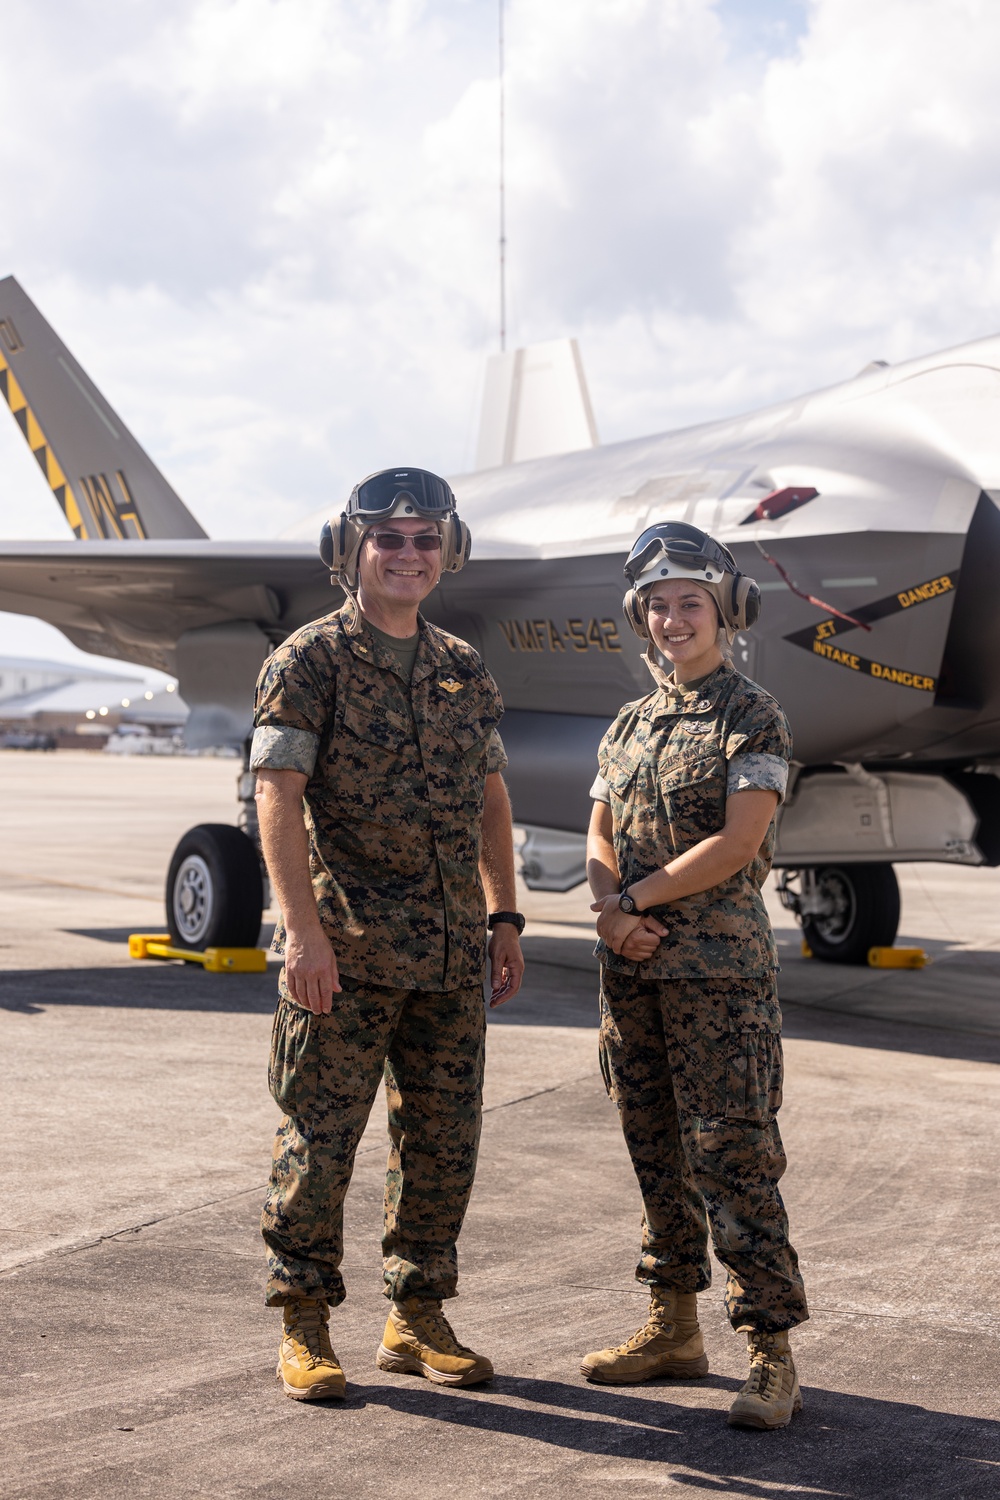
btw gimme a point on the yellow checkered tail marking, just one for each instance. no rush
(37, 442)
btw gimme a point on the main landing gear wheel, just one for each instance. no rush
(215, 892)
(847, 909)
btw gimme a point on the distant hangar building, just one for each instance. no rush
(79, 707)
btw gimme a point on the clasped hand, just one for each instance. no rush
(635, 937)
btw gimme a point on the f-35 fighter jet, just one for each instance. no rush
(869, 513)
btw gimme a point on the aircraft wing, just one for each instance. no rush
(204, 611)
(135, 600)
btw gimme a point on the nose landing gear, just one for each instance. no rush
(844, 909)
(216, 885)
(215, 893)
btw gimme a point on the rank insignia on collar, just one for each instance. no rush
(450, 685)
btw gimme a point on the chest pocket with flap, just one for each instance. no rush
(373, 755)
(693, 789)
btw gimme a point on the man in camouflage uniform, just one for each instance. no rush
(383, 816)
(681, 841)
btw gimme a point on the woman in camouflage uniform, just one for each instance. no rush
(681, 840)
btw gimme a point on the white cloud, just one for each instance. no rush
(268, 227)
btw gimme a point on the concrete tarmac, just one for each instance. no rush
(138, 1359)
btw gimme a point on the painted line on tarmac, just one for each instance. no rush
(555, 1088)
(26, 882)
(114, 1234)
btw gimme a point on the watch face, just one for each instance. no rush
(626, 904)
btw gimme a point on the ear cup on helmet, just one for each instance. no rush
(334, 543)
(635, 613)
(456, 544)
(746, 602)
(339, 545)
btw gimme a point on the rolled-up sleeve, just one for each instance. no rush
(600, 791)
(496, 757)
(757, 773)
(275, 747)
(296, 694)
(758, 747)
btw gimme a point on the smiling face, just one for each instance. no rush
(684, 626)
(393, 584)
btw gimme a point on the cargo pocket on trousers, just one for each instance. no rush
(754, 1076)
(292, 1067)
(602, 1057)
(607, 1032)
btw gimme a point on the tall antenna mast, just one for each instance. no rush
(503, 206)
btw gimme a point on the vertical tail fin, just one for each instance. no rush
(107, 487)
(535, 404)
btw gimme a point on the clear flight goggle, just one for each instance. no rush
(397, 492)
(675, 542)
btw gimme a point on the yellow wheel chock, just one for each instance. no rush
(212, 960)
(896, 958)
(887, 958)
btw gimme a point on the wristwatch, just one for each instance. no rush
(513, 917)
(626, 903)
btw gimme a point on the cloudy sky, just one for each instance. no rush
(268, 228)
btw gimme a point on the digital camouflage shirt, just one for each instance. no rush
(394, 800)
(667, 765)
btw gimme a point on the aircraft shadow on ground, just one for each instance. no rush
(553, 995)
(165, 986)
(122, 934)
(841, 1446)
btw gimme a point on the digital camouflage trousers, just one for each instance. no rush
(695, 1068)
(324, 1073)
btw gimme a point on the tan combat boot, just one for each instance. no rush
(771, 1396)
(418, 1340)
(670, 1344)
(307, 1366)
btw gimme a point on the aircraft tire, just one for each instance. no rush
(215, 891)
(863, 914)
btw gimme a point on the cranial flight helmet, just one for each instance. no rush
(673, 549)
(390, 495)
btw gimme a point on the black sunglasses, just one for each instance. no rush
(395, 541)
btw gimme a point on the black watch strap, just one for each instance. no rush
(513, 917)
